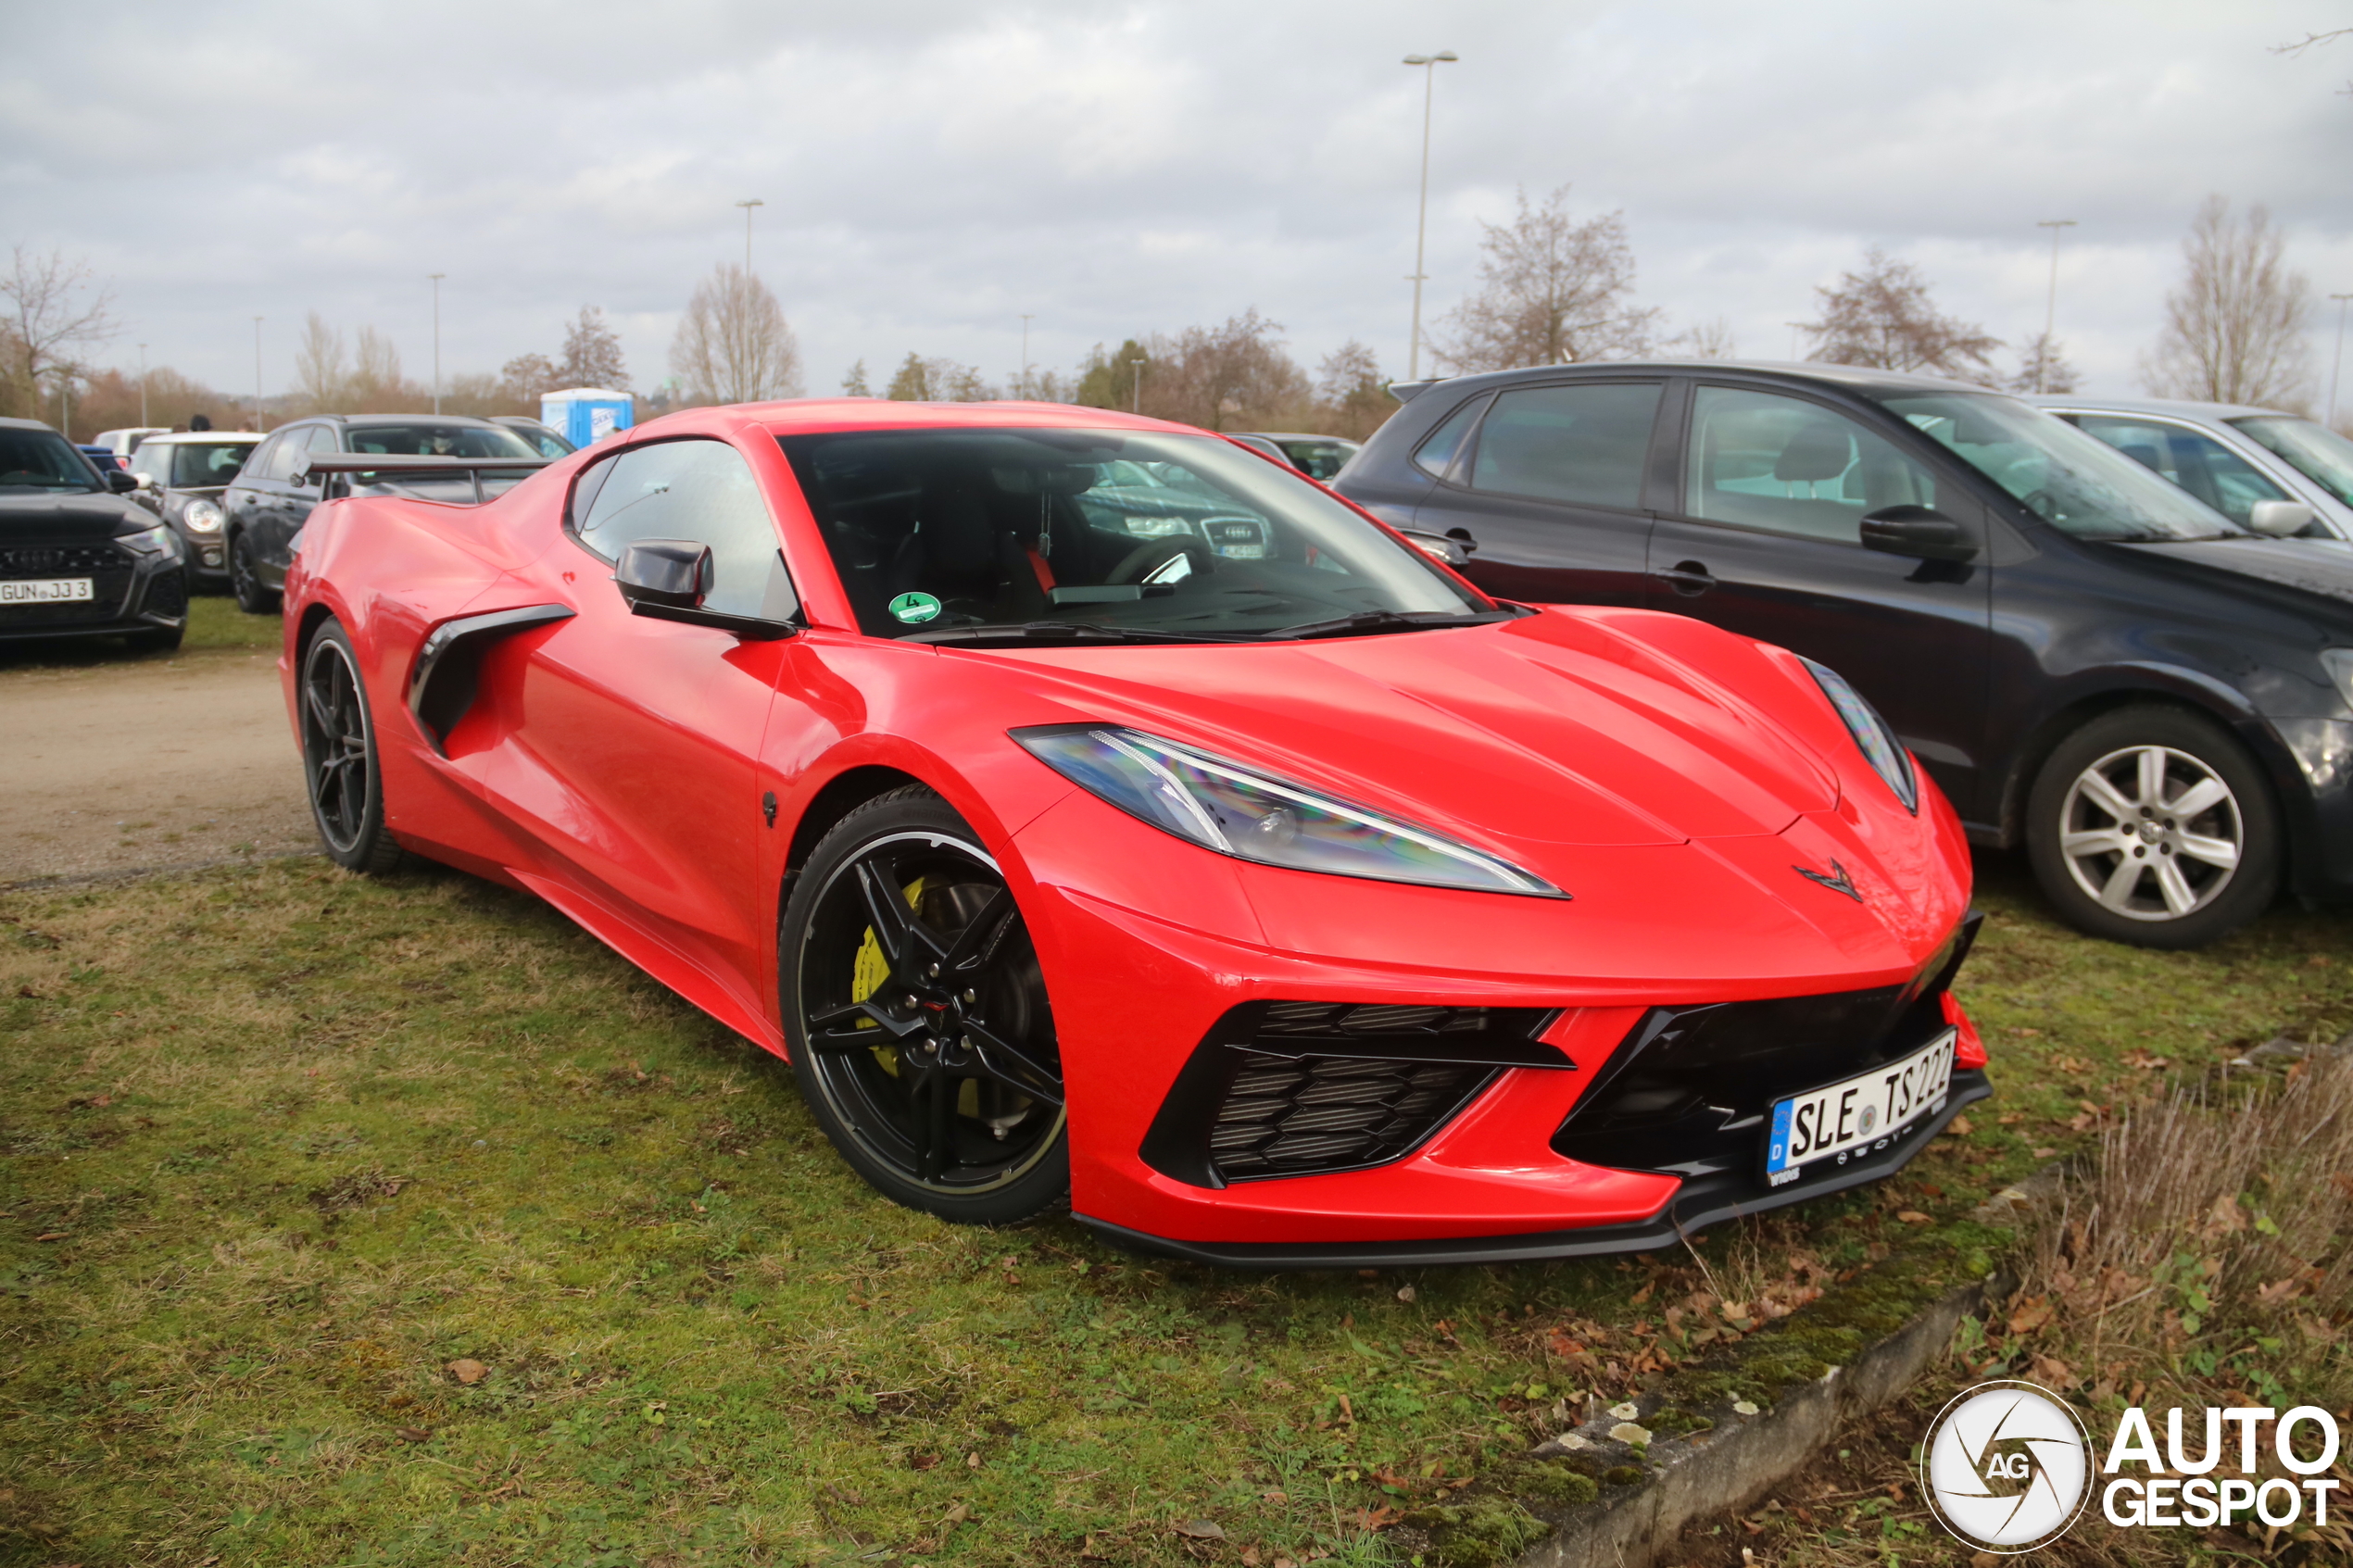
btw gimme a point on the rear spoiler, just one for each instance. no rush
(415, 463)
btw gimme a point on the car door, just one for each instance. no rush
(1764, 539)
(632, 743)
(300, 491)
(2198, 462)
(250, 502)
(1549, 487)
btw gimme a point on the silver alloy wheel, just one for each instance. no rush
(2151, 833)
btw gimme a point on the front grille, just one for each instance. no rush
(61, 560)
(167, 594)
(1294, 1088)
(1334, 1114)
(1689, 1089)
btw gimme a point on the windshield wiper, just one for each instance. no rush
(1369, 621)
(1032, 632)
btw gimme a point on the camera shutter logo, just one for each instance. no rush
(2007, 1466)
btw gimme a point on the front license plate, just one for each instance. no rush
(45, 590)
(1858, 1114)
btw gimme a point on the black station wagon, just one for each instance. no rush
(2157, 703)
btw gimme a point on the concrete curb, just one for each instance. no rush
(1743, 1457)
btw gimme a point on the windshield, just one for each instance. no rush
(1318, 459)
(196, 464)
(40, 460)
(2313, 450)
(432, 440)
(1099, 532)
(2076, 483)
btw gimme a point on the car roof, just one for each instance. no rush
(364, 421)
(1859, 378)
(1295, 436)
(817, 415)
(2177, 406)
(28, 424)
(173, 437)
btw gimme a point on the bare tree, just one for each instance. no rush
(2043, 365)
(526, 377)
(1552, 290)
(322, 372)
(733, 345)
(53, 309)
(592, 353)
(936, 380)
(1882, 317)
(854, 384)
(2235, 329)
(1705, 339)
(1109, 381)
(1351, 393)
(1233, 376)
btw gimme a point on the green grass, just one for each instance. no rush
(285, 1145)
(215, 622)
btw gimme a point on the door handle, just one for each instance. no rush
(1689, 578)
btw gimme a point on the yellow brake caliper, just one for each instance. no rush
(867, 974)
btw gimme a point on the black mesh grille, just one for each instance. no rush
(168, 594)
(1333, 1113)
(61, 560)
(1289, 1019)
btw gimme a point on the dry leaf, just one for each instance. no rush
(1405, 1293)
(2031, 1315)
(52, 1235)
(1913, 1217)
(1250, 1557)
(468, 1370)
(1203, 1529)
(956, 1515)
(2056, 1372)
(1958, 1127)
(411, 1433)
(971, 1461)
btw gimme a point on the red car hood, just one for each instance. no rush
(1552, 730)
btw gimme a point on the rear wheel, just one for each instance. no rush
(917, 1016)
(339, 756)
(245, 578)
(2151, 825)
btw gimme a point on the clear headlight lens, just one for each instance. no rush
(1872, 735)
(200, 516)
(1224, 807)
(157, 541)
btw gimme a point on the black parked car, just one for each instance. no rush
(77, 560)
(2157, 702)
(264, 508)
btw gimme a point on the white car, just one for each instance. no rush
(123, 443)
(2233, 457)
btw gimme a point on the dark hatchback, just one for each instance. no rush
(2156, 702)
(76, 558)
(265, 506)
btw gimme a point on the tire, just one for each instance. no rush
(163, 639)
(245, 579)
(339, 757)
(2115, 851)
(901, 931)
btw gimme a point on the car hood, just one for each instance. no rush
(84, 516)
(2322, 568)
(1550, 730)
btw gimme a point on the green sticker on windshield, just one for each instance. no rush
(914, 608)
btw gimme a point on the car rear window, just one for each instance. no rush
(1584, 442)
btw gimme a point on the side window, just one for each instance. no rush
(1792, 467)
(1436, 454)
(697, 490)
(150, 461)
(2190, 458)
(272, 460)
(1584, 444)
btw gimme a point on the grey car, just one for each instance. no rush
(2234, 457)
(182, 476)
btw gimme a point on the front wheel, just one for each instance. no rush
(339, 757)
(245, 578)
(2151, 825)
(917, 1016)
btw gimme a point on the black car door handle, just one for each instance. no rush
(1689, 578)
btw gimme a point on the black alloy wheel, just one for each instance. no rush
(245, 579)
(2151, 825)
(917, 1016)
(339, 756)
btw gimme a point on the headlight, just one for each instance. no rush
(1872, 736)
(1224, 807)
(200, 516)
(157, 541)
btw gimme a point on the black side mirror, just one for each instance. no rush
(121, 482)
(667, 580)
(1919, 532)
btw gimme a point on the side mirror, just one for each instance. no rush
(668, 579)
(1919, 532)
(2280, 518)
(144, 480)
(121, 482)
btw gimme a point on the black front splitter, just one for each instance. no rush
(1701, 1203)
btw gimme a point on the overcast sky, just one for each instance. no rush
(931, 170)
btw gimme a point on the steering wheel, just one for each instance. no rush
(1139, 563)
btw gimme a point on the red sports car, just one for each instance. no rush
(1088, 806)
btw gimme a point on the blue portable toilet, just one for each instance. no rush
(587, 414)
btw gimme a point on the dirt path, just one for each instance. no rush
(139, 764)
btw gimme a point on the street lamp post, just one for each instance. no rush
(436, 278)
(1430, 64)
(2338, 367)
(143, 384)
(748, 206)
(257, 374)
(1135, 389)
(2050, 303)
